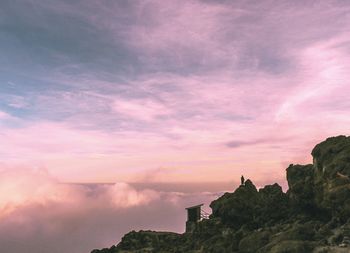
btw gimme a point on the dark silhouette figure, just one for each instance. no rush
(242, 180)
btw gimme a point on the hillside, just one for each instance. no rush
(312, 216)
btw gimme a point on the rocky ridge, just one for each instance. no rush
(312, 216)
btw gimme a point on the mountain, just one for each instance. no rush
(312, 216)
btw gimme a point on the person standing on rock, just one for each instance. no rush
(242, 180)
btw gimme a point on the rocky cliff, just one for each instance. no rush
(312, 216)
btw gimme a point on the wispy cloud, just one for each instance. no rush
(140, 109)
(4, 115)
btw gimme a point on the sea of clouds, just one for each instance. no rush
(40, 214)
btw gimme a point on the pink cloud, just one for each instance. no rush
(323, 71)
(123, 195)
(5, 116)
(40, 213)
(20, 188)
(140, 109)
(193, 23)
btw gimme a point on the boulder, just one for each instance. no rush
(331, 160)
(237, 208)
(301, 187)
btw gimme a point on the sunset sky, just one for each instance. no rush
(160, 91)
(105, 91)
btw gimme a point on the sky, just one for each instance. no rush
(153, 95)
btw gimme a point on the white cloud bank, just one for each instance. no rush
(39, 214)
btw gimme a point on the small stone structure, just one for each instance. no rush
(194, 215)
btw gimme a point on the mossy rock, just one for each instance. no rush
(254, 241)
(293, 247)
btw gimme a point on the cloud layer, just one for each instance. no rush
(40, 214)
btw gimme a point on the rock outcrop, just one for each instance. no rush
(312, 216)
